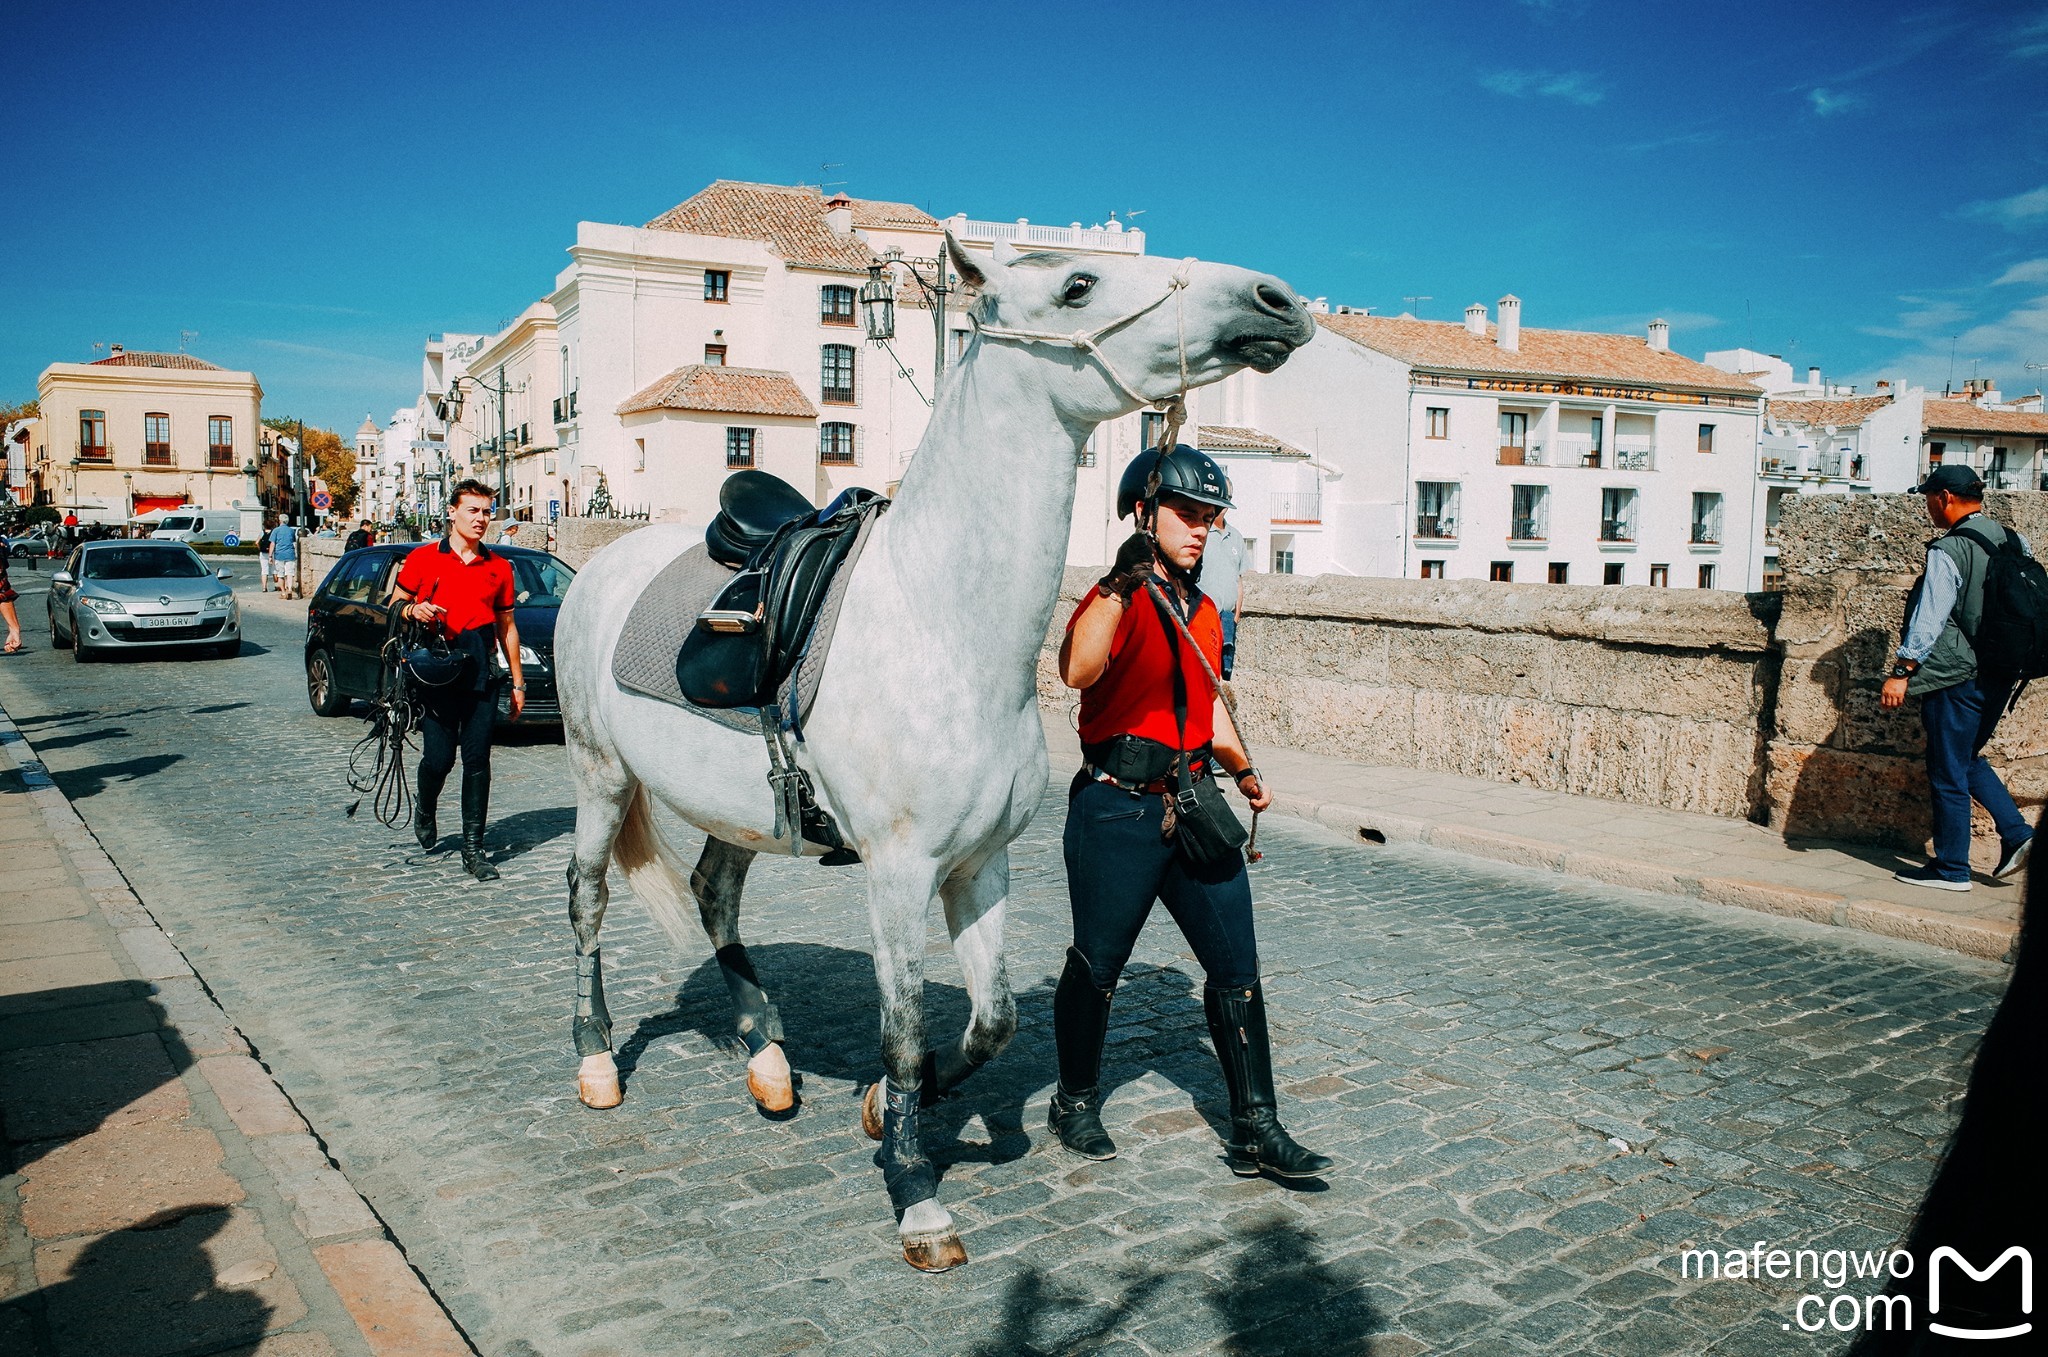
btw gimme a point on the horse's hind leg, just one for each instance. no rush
(720, 876)
(604, 794)
(976, 901)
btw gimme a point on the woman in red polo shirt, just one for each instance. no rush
(463, 589)
(1120, 653)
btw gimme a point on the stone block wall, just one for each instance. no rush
(1839, 766)
(1656, 696)
(579, 539)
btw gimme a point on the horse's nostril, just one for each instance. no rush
(1273, 299)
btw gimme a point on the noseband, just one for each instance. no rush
(1090, 341)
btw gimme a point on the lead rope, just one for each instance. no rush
(1251, 848)
(1089, 341)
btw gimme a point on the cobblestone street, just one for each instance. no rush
(1539, 1092)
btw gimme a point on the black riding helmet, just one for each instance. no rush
(1183, 471)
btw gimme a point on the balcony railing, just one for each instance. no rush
(2007, 480)
(1297, 507)
(156, 454)
(1634, 452)
(1517, 455)
(1828, 466)
(1577, 449)
(1024, 233)
(1617, 530)
(1526, 530)
(1436, 527)
(218, 455)
(1706, 534)
(565, 408)
(95, 452)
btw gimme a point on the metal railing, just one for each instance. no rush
(1023, 233)
(1297, 507)
(220, 455)
(1436, 527)
(1617, 530)
(1531, 455)
(836, 395)
(1635, 452)
(565, 408)
(95, 452)
(1526, 530)
(1706, 534)
(156, 454)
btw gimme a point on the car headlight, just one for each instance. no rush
(526, 656)
(218, 602)
(102, 605)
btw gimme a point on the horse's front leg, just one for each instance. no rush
(899, 898)
(976, 900)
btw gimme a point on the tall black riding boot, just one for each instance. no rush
(423, 826)
(1080, 1019)
(1258, 1142)
(476, 800)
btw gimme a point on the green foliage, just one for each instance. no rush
(13, 410)
(42, 513)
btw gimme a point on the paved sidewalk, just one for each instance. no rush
(1703, 857)
(161, 1194)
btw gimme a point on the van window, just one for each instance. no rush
(178, 524)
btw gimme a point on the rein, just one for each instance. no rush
(1090, 341)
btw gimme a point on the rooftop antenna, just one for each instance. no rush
(1417, 300)
(99, 346)
(826, 169)
(1131, 212)
(1950, 384)
(185, 337)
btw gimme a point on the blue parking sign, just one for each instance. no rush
(231, 541)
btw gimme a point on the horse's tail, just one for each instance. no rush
(659, 880)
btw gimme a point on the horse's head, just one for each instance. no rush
(1129, 330)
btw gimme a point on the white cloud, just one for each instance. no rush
(1827, 103)
(1574, 87)
(2022, 209)
(2032, 271)
(1998, 346)
(2031, 40)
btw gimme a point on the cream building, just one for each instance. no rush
(138, 431)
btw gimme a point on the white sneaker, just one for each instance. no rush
(2013, 860)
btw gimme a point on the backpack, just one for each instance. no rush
(2012, 632)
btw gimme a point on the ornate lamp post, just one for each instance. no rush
(878, 304)
(449, 408)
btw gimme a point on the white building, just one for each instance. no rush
(1491, 451)
(2006, 441)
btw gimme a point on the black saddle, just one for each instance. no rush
(750, 638)
(752, 507)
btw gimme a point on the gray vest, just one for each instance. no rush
(1953, 659)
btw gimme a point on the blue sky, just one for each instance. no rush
(314, 189)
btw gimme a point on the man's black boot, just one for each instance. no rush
(1080, 1019)
(423, 827)
(476, 800)
(1258, 1142)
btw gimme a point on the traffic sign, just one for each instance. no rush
(554, 510)
(231, 541)
(322, 500)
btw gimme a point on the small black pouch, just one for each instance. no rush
(1205, 831)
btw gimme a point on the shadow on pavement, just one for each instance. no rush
(83, 737)
(91, 780)
(526, 830)
(1279, 1296)
(829, 1006)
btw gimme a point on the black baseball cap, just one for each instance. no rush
(1954, 478)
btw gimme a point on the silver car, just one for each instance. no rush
(141, 596)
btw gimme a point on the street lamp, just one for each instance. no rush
(878, 303)
(449, 409)
(128, 481)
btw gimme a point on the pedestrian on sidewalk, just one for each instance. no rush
(1959, 706)
(463, 591)
(264, 566)
(1223, 580)
(7, 612)
(284, 559)
(364, 536)
(1146, 699)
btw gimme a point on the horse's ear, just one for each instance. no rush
(968, 267)
(1004, 253)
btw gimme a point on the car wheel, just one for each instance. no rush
(321, 690)
(58, 640)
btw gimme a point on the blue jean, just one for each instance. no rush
(1117, 865)
(1229, 619)
(1959, 721)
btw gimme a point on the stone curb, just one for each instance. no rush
(1972, 937)
(392, 1305)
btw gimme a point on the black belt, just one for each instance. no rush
(1198, 768)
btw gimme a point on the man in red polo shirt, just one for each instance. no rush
(463, 590)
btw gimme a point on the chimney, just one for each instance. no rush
(1883, 385)
(1813, 376)
(115, 351)
(839, 214)
(1509, 333)
(1475, 319)
(1660, 335)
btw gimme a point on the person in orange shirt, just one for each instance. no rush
(1121, 651)
(463, 590)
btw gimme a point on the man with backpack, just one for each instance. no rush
(1976, 626)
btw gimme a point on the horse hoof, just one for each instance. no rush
(935, 1252)
(871, 1112)
(768, 1079)
(597, 1082)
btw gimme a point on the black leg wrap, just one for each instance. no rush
(944, 1069)
(1258, 1142)
(905, 1171)
(759, 1024)
(592, 1025)
(1080, 1021)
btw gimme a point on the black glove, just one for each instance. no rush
(1132, 568)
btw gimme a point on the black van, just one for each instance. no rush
(345, 628)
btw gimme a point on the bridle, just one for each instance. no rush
(1090, 343)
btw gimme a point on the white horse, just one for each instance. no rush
(925, 743)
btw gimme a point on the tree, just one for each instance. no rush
(13, 410)
(333, 459)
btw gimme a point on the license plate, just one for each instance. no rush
(171, 620)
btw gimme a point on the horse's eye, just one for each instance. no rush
(1077, 288)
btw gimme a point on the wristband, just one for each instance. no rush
(1241, 774)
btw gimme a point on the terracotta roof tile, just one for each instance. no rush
(1843, 414)
(1448, 346)
(788, 220)
(1236, 438)
(723, 391)
(136, 358)
(1939, 415)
